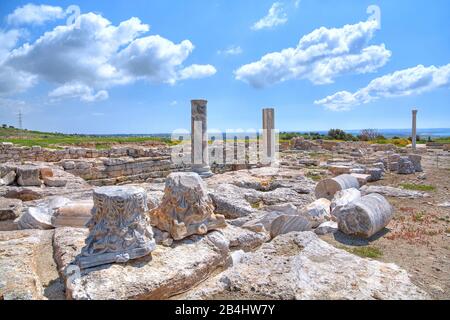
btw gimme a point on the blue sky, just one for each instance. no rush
(352, 77)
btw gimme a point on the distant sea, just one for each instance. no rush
(388, 133)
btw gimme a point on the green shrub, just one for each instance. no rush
(366, 252)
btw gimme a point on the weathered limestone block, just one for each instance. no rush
(394, 157)
(318, 211)
(35, 218)
(301, 266)
(74, 214)
(54, 182)
(229, 201)
(393, 192)
(416, 160)
(326, 228)
(263, 221)
(68, 165)
(362, 178)
(8, 178)
(286, 208)
(405, 166)
(379, 165)
(375, 174)
(327, 188)
(339, 169)
(186, 207)
(393, 166)
(289, 223)
(118, 228)
(168, 272)
(280, 196)
(244, 239)
(27, 268)
(28, 175)
(365, 216)
(10, 208)
(344, 197)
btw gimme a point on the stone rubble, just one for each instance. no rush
(326, 227)
(10, 208)
(393, 192)
(300, 266)
(254, 231)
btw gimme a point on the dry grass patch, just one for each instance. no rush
(417, 187)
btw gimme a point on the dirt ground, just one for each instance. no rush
(418, 237)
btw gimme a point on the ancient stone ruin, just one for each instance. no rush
(199, 138)
(129, 223)
(118, 229)
(186, 207)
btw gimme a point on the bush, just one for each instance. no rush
(315, 135)
(338, 134)
(369, 134)
(400, 142)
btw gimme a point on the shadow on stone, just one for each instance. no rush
(357, 241)
(55, 290)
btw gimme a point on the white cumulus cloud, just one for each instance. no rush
(8, 40)
(35, 14)
(157, 59)
(412, 81)
(276, 16)
(78, 90)
(231, 51)
(197, 71)
(320, 56)
(84, 60)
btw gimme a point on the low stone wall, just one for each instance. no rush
(118, 165)
(11, 152)
(109, 171)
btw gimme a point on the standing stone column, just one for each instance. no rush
(414, 129)
(199, 138)
(268, 147)
(118, 228)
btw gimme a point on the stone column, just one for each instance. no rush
(268, 119)
(118, 228)
(199, 138)
(186, 207)
(414, 129)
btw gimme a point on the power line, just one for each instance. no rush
(20, 119)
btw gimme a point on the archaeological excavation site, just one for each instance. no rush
(203, 159)
(251, 218)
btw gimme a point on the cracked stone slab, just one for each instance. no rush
(167, 272)
(299, 265)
